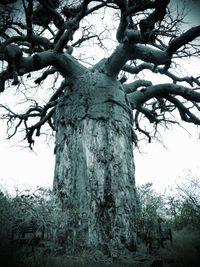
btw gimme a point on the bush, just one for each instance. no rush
(6, 213)
(186, 249)
(38, 207)
(181, 213)
(184, 205)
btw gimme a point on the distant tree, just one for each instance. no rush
(151, 203)
(5, 219)
(152, 211)
(94, 112)
(184, 206)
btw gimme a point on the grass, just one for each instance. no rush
(184, 253)
(22, 258)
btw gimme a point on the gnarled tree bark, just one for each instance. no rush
(94, 174)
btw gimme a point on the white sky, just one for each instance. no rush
(22, 168)
(166, 166)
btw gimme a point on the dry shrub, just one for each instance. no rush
(186, 249)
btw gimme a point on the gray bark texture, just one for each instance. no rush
(94, 173)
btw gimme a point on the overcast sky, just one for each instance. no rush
(163, 166)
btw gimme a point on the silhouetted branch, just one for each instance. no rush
(161, 90)
(44, 75)
(183, 39)
(131, 87)
(45, 115)
(185, 113)
(137, 126)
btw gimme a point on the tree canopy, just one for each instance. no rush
(64, 38)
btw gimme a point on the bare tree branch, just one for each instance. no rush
(148, 35)
(147, 25)
(45, 74)
(63, 63)
(137, 125)
(132, 87)
(185, 113)
(44, 114)
(161, 90)
(183, 39)
(148, 66)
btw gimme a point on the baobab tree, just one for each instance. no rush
(95, 111)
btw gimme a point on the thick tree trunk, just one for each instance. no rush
(94, 172)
